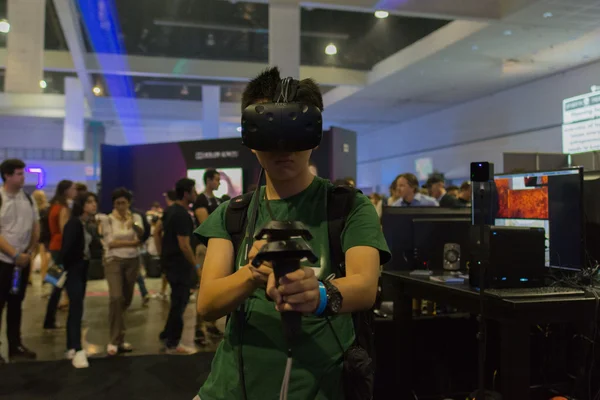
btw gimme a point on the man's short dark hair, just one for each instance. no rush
(183, 186)
(81, 187)
(451, 188)
(263, 87)
(8, 167)
(210, 175)
(465, 186)
(433, 179)
(171, 195)
(121, 193)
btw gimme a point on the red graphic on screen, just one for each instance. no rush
(530, 203)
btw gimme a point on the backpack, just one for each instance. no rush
(340, 200)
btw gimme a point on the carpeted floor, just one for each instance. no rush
(144, 377)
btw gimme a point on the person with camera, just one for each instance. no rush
(19, 233)
(252, 360)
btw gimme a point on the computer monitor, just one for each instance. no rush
(398, 229)
(552, 200)
(431, 235)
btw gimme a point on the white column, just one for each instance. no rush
(211, 109)
(25, 46)
(74, 128)
(284, 37)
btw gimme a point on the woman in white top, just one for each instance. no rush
(121, 231)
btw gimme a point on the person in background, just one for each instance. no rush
(437, 189)
(121, 232)
(41, 252)
(377, 202)
(19, 232)
(81, 188)
(205, 204)
(60, 212)
(392, 190)
(170, 199)
(452, 191)
(180, 263)
(75, 257)
(407, 191)
(465, 193)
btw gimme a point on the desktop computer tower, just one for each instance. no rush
(512, 256)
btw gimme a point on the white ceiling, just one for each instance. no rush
(468, 59)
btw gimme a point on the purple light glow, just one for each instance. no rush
(40, 176)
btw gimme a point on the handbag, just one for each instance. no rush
(56, 276)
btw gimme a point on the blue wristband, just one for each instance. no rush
(322, 300)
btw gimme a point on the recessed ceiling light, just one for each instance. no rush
(4, 26)
(97, 90)
(547, 14)
(381, 14)
(474, 47)
(43, 84)
(331, 50)
(507, 32)
(239, 129)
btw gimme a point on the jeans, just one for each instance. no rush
(50, 319)
(13, 301)
(142, 284)
(180, 296)
(76, 286)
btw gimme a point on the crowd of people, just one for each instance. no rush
(59, 237)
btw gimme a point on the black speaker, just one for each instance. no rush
(485, 202)
(482, 171)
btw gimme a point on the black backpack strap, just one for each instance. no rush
(340, 201)
(236, 219)
(28, 198)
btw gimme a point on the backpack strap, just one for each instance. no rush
(236, 219)
(340, 201)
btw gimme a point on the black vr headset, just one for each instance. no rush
(284, 124)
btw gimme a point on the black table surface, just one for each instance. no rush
(544, 309)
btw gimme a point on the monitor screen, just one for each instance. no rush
(551, 200)
(231, 181)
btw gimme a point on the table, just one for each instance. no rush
(515, 318)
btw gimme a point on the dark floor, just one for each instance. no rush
(144, 374)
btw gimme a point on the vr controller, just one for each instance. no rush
(283, 124)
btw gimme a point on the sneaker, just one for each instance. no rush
(125, 347)
(21, 352)
(70, 354)
(145, 300)
(80, 360)
(112, 350)
(181, 350)
(200, 338)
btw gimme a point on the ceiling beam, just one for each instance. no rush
(69, 21)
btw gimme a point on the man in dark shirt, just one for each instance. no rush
(437, 188)
(205, 204)
(179, 262)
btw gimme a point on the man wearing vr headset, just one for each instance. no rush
(281, 123)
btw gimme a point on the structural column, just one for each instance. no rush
(284, 36)
(74, 127)
(211, 110)
(25, 46)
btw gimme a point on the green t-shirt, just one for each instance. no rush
(317, 356)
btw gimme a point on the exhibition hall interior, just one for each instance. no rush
(412, 215)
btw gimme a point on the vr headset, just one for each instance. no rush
(284, 124)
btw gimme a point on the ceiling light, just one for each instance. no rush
(4, 26)
(210, 40)
(507, 32)
(595, 88)
(239, 129)
(331, 50)
(43, 84)
(381, 14)
(547, 14)
(474, 47)
(97, 90)
(184, 90)
(228, 93)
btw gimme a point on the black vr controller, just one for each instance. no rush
(283, 124)
(286, 246)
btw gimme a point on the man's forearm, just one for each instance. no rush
(357, 294)
(188, 253)
(6, 248)
(35, 237)
(222, 296)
